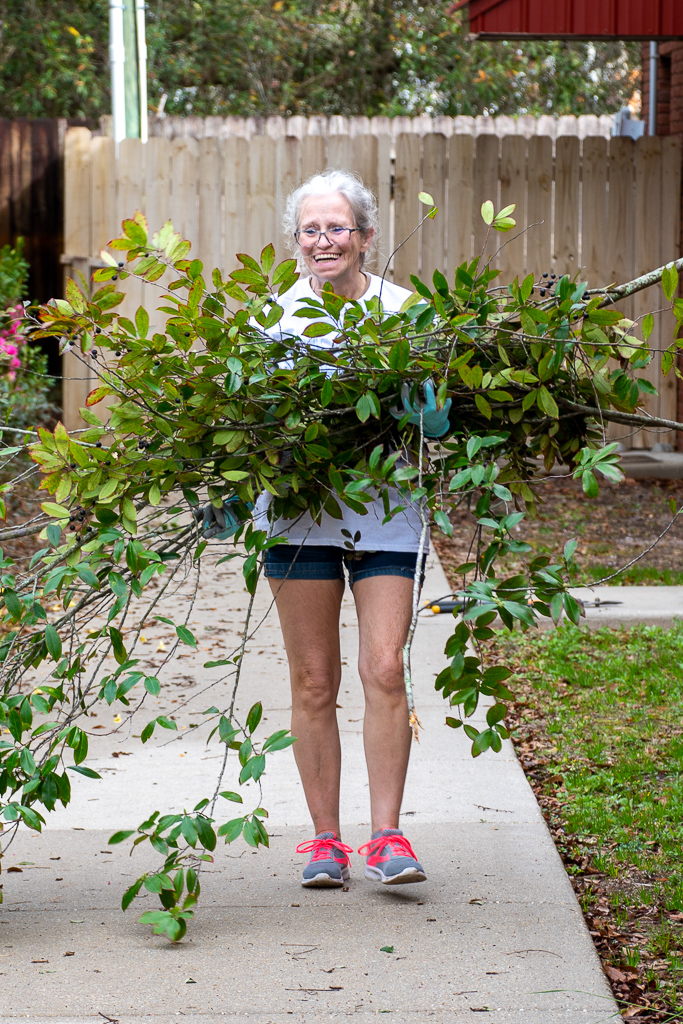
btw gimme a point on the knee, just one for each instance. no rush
(314, 690)
(382, 674)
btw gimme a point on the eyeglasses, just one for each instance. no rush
(310, 237)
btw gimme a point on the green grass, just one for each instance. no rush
(636, 576)
(606, 708)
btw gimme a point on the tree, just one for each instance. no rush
(211, 409)
(299, 57)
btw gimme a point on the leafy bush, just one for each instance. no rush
(24, 382)
(212, 407)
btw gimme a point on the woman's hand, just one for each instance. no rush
(219, 522)
(435, 422)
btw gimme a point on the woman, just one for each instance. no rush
(333, 221)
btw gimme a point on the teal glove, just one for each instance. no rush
(435, 421)
(221, 523)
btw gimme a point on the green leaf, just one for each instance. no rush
(82, 770)
(590, 484)
(56, 511)
(425, 198)
(254, 717)
(669, 282)
(130, 894)
(53, 642)
(186, 636)
(166, 723)
(648, 325)
(120, 837)
(487, 212)
(152, 685)
(229, 795)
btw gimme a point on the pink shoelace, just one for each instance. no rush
(323, 849)
(399, 845)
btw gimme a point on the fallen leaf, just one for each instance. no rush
(386, 949)
(190, 981)
(477, 901)
(69, 952)
(40, 961)
(19, 871)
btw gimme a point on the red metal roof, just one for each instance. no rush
(584, 19)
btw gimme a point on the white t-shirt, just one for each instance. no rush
(402, 533)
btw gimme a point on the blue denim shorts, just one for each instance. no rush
(326, 562)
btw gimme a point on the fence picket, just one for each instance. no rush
(131, 198)
(594, 258)
(460, 201)
(235, 165)
(513, 165)
(103, 212)
(209, 235)
(158, 178)
(312, 155)
(262, 227)
(434, 181)
(567, 166)
(406, 207)
(185, 176)
(77, 153)
(485, 189)
(539, 206)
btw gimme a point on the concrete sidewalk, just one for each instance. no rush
(496, 929)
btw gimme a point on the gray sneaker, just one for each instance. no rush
(390, 859)
(329, 863)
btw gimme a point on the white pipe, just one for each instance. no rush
(654, 68)
(142, 68)
(117, 59)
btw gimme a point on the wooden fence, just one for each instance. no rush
(31, 196)
(607, 209)
(276, 127)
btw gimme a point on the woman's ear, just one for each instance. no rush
(367, 239)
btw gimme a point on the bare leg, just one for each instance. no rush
(309, 617)
(384, 606)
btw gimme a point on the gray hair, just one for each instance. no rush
(359, 197)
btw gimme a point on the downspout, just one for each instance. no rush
(654, 68)
(142, 67)
(117, 60)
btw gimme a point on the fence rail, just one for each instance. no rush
(608, 209)
(278, 127)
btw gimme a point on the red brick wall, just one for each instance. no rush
(669, 122)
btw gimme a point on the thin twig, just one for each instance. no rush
(413, 720)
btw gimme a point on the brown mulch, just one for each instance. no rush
(611, 529)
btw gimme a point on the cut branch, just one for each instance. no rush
(614, 416)
(622, 291)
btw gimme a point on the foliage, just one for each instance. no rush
(599, 730)
(14, 270)
(213, 407)
(297, 56)
(24, 382)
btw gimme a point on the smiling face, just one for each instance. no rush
(330, 260)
